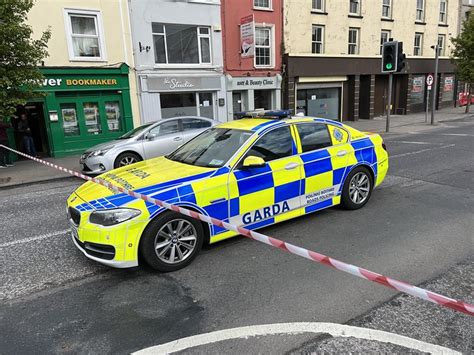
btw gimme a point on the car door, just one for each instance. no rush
(162, 139)
(324, 165)
(265, 195)
(192, 126)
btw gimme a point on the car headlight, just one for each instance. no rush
(114, 216)
(99, 152)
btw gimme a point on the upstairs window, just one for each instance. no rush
(354, 7)
(263, 47)
(262, 4)
(318, 39)
(441, 44)
(353, 43)
(318, 5)
(420, 10)
(443, 8)
(387, 8)
(384, 36)
(181, 44)
(418, 48)
(84, 31)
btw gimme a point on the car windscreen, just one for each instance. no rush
(212, 148)
(135, 132)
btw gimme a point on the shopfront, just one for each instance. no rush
(181, 95)
(82, 107)
(253, 93)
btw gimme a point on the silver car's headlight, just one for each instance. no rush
(112, 217)
(99, 152)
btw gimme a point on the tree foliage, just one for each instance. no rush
(463, 53)
(20, 56)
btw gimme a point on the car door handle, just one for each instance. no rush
(291, 166)
(341, 153)
(176, 139)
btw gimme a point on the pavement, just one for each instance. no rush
(417, 227)
(27, 172)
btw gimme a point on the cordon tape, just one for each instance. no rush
(288, 247)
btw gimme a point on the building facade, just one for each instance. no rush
(333, 55)
(90, 94)
(252, 44)
(178, 58)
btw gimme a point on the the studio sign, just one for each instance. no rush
(173, 83)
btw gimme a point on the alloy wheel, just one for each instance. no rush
(175, 241)
(359, 188)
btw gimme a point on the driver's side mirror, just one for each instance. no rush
(253, 162)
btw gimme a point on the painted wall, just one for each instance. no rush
(116, 30)
(299, 20)
(232, 12)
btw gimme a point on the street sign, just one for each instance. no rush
(429, 87)
(429, 79)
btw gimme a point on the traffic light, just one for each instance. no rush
(400, 57)
(389, 57)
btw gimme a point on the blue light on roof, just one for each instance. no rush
(271, 114)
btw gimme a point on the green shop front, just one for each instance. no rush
(82, 107)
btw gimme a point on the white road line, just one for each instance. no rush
(336, 330)
(421, 143)
(34, 239)
(420, 151)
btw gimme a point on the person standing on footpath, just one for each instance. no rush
(24, 129)
(5, 159)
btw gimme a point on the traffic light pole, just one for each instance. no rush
(435, 87)
(389, 106)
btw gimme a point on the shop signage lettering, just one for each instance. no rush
(79, 82)
(177, 84)
(255, 83)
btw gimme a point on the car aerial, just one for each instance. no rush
(144, 142)
(250, 172)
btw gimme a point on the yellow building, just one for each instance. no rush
(333, 54)
(89, 77)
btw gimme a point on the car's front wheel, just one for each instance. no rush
(126, 159)
(171, 241)
(357, 188)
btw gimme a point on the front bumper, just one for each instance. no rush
(95, 165)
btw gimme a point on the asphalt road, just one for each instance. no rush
(417, 227)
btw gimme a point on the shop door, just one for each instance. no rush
(262, 99)
(237, 101)
(36, 120)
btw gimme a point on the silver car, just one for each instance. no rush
(144, 142)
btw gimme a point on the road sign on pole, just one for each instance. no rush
(429, 79)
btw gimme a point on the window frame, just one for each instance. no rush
(389, 33)
(313, 42)
(420, 46)
(315, 124)
(315, 9)
(420, 10)
(389, 6)
(444, 13)
(271, 46)
(441, 49)
(97, 15)
(359, 5)
(357, 44)
(199, 37)
(269, 8)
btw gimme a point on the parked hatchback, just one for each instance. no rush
(144, 142)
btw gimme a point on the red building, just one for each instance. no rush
(252, 41)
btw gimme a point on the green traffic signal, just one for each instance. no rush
(389, 66)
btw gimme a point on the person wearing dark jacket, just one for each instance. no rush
(25, 131)
(5, 159)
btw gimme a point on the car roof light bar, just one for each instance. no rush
(270, 114)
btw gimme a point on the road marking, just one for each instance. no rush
(421, 151)
(443, 134)
(421, 143)
(34, 239)
(336, 330)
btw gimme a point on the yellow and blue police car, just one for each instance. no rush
(250, 172)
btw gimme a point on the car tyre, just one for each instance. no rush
(357, 188)
(167, 232)
(125, 159)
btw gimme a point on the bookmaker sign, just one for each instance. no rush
(247, 29)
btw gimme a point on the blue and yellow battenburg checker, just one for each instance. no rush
(255, 198)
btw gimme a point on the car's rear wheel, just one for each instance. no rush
(357, 188)
(171, 241)
(126, 158)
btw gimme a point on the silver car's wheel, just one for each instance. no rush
(125, 159)
(175, 241)
(359, 188)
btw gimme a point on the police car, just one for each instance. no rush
(251, 172)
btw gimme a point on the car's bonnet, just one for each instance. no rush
(106, 145)
(149, 176)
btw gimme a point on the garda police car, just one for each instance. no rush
(249, 172)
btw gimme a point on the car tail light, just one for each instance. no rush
(384, 147)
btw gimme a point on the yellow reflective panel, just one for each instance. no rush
(319, 182)
(256, 200)
(247, 124)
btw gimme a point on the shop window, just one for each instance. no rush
(313, 136)
(206, 107)
(181, 44)
(85, 38)
(320, 102)
(263, 47)
(182, 104)
(92, 117)
(318, 39)
(263, 99)
(114, 118)
(417, 95)
(70, 122)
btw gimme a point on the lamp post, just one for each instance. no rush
(435, 91)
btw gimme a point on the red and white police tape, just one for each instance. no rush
(290, 248)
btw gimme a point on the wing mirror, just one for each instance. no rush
(253, 162)
(151, 136)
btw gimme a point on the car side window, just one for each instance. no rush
(313, 136)
(273, 145)
(164, 128)
(194, 123)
